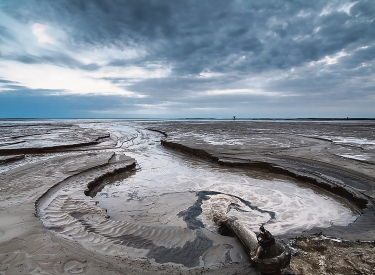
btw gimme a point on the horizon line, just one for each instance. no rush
(194, 118)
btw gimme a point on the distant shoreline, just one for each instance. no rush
(211, 119)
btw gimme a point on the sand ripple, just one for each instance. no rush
(72, 215)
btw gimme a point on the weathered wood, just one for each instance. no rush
(244, 234)
(277, 257)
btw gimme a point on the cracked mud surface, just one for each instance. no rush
(161, 202)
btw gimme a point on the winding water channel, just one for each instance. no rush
(112, 192)
(114, 195)
(172, 189)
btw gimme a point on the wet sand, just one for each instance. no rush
(315, 152)
(57, 179)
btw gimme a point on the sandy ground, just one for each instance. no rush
(44, 211)
(49, 226)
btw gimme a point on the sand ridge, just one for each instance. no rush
(50, 226)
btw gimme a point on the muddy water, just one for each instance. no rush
(161, 213)
(170, 189)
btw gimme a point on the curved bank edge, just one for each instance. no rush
(303, 172)
(74, 217)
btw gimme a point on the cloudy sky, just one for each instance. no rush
(175, 59)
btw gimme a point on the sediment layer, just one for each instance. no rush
(347, 178)
(8, 159)
(45, 138)
(303, 172)
(72, 234)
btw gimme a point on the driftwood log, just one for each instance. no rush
(270, 261)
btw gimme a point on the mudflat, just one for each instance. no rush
(138, 197)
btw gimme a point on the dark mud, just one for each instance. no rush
(97, 184)
(304, 153)
(8, 159)
(188, 255)
(76, 234)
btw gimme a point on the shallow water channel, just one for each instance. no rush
(172, 189)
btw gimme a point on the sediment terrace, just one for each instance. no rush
(317, 153)
(27, 138)
(49, 224)
(50, 171)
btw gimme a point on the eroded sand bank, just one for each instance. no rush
(50, 226)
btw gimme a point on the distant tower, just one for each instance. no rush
(234, 117)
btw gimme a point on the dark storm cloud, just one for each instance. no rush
(283, 45)
(203, 34)
(363, 8)
(358, 57)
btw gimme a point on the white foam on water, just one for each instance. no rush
(295, 208)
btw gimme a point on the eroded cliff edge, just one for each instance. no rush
(309, 152)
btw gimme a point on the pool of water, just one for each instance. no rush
(172, 189)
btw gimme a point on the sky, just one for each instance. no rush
(178, 59)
